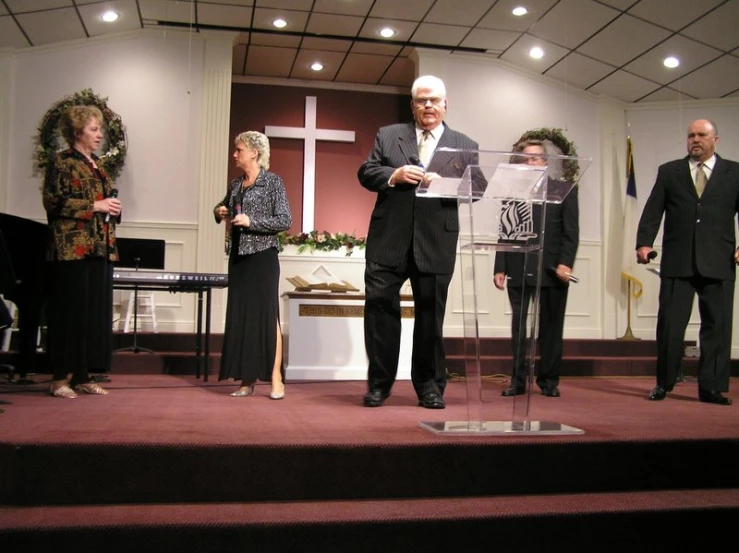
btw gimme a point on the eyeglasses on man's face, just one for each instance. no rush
(421, 101)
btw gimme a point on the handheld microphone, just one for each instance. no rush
(572, 278)
(415, 160)
(651, 255)
(113, 194)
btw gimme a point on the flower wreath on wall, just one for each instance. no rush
(114, 147)
(571, 168)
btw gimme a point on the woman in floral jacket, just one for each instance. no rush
(82, 210)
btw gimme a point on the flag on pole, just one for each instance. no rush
(630, 223)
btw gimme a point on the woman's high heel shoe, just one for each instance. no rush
(277, 395)
(244, 391)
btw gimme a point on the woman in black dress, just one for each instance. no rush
(256, 205)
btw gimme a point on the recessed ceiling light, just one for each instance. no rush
(279, 23)
(387, 32)
(519, 11)
(109, 16)
(316, 66)
(536, 53)
(671, 62)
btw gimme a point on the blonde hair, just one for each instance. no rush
(74, 120)
(256, 141)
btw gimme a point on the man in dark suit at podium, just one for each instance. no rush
(561, 239)
(411, 238)
(699, 198)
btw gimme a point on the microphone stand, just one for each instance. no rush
(135, 347)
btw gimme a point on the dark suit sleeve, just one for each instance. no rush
(651, 217)
(570, 237)
(375, 172)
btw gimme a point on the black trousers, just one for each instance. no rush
(552, 306)
(715, 305)
(382, 326)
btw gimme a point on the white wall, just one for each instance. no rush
(153, 81)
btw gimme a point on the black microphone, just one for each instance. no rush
(113, 194)
(651, 255)
(416, 161)
(572, 278)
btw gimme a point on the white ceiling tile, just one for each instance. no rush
(619, 4)
(624, 86)
(267, 61)
(501, 18)
(331, 62)
(489, 40)
(10, 35)
(401, 74)
(453, 12)
(269, 39)
(325, 44)
(339, 25)
(299, 5)
(579, 70)
(128, 19)
(166, 10)
(363, 68)
(518, 54)
(570, 23)
(623, 40)
(690, 53)
(412, 10)
(404, 29)
(716, 80)
(673, 14)
(667, 94)
(446, 35)
(22, 6)
(247, 3)
(342, 7)
(224, 16)
(374, 48)
(718, 28)
(41, 29)
(296, 20)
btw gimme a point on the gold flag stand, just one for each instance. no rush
(629, 335)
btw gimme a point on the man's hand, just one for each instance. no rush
(499, 280)
(407, 174)
(642, 255)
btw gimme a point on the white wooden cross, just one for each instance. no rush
(311, 135)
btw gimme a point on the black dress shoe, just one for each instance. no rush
(431, 400)
(550, 391)
(713, 397)
(513, 391)
(375, 398)
(658, 393)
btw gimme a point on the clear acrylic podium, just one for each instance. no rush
(501, 203)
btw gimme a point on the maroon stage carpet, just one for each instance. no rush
(171, 463)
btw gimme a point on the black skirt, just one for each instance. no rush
(80, 317)
(252, 315)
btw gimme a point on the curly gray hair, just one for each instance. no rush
(256, 141)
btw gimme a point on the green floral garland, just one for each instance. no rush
(571, 168)
(322, 241)
(115, 145)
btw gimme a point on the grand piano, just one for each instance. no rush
(23, 280)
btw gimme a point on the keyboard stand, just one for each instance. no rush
(135, 348)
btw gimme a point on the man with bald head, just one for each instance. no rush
(699, 198)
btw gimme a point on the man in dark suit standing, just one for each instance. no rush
(411, 238)
(699, 197)
(561, 238)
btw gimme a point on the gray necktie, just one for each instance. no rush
(700, 180)
(424, 149)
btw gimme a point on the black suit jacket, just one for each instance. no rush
(698, 232)
(400, 220)
(561, 238)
